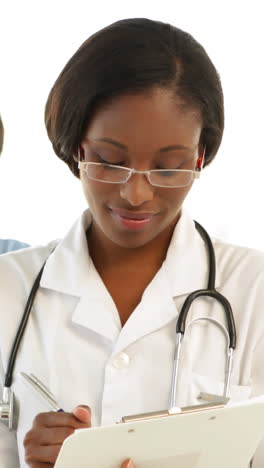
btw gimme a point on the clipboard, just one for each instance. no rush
(196, 437)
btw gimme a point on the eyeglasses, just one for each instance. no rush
(111, 174)
(168, 178)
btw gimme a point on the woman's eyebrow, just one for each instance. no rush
(112, 142)
(166, 149)
(173, 147)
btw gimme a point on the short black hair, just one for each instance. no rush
(1, 135)
(133, 56)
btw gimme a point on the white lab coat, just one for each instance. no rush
(75, 344)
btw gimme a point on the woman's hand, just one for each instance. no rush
(43, 442)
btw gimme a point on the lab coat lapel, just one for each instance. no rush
(155, 310)
(69, 270)
(94, 315)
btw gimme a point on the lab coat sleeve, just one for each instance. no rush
(8, 443)
(17, 272)
(258, 389)
(8, 448)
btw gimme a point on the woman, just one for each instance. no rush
(136, 113)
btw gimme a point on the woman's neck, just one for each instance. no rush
(108, 255)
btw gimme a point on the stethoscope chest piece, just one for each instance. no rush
(7, 408)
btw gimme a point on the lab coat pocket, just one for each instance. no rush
(205, 384)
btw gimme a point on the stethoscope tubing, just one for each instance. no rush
(181, 322)
(21, 330)
(210, 291)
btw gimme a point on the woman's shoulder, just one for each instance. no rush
(15, 266)
(18, 271)
(238, 259)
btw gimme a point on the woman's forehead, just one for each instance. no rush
(159, 116)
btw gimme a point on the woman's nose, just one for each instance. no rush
(137, 190)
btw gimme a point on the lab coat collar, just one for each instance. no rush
(67, 268)
(187, 262)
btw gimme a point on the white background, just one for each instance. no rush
(40, 198)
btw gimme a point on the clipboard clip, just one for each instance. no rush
(172, 412)
(211, 398)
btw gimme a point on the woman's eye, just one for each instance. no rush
(179, 166)
(105, 161)
(168, 172)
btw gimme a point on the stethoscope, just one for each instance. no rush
(7, 403)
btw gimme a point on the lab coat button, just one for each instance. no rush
(121, 361)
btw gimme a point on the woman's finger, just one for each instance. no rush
(60, 419)
(128, 464)
(48, 435)
(83, 414)
(41, 453)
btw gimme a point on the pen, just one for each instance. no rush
(41, 390)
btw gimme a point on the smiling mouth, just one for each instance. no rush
(132, 220)
(133, 215)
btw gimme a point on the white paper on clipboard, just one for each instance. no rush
(218, 438)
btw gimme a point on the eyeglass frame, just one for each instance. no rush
(131, 171)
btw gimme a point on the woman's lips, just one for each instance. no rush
(133, 220)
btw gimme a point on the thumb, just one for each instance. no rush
(83, 413)
(128, 464)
